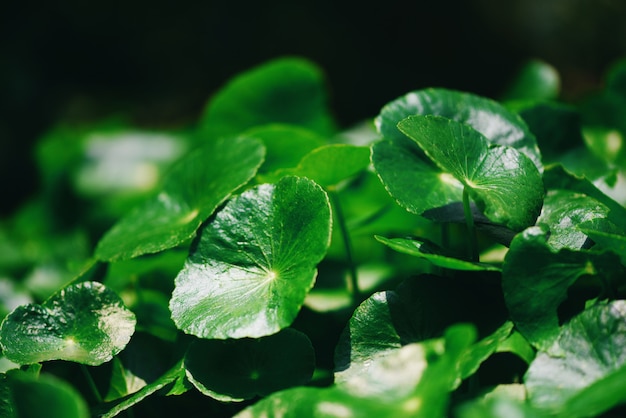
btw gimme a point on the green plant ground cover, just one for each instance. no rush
(455, 256)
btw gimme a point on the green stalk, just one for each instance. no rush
(471, 228)
(354, 281)
(91, 383)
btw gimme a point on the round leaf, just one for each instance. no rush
(234, 370)
(287, 90)
(254, 262)
(494, 121)
(85, 323)
(495, 175)
(589, 349)
(192, 190)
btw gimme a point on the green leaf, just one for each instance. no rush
(589, 351)
(494, 175)
(331, 164)
(191, 191)
(25, 396)
(557, 177)
(477, 353)
(562, 211)
(85, 323)
(433, 253)
(535, 80)
(287, 90)
(168, 379)
(534, 290)
(490, 118)
(606, 236)
(234, 370)
(414, 312)
(285, 145)
(254, 263)
(411, 180)
(498, 407)
(412, 381)
(555, 125)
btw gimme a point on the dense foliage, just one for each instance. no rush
(455, 256)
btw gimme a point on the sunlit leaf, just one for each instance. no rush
(192, 190)
(254, 263)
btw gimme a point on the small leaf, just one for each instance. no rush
(433, 253)
(85, 322)
(588, 350)
(254, 262)
(234, 370)
(192, 190)
(490, 118)
(495, 175)
(534, 290)
(287, 90)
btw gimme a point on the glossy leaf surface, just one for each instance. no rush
(494, 175)
(192, 190)
(589, 350)
(85, 323)
(254, 263)
(490, 118)
(533, 291)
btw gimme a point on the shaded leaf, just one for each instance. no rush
(234, 370)
(286, 90)
(433, 253)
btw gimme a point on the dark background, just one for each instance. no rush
(160, 60)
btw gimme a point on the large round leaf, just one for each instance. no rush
(286, 90)
(588, 351)
(254, 262)
(494, 121)
(85, 322)
(192, 190)
(495, 175)
(234, 370)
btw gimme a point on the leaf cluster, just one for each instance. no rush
(455, 256)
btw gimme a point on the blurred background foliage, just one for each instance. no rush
(155, 63)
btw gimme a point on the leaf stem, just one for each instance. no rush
(354, 281)
(471, 228)
(91, 383)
